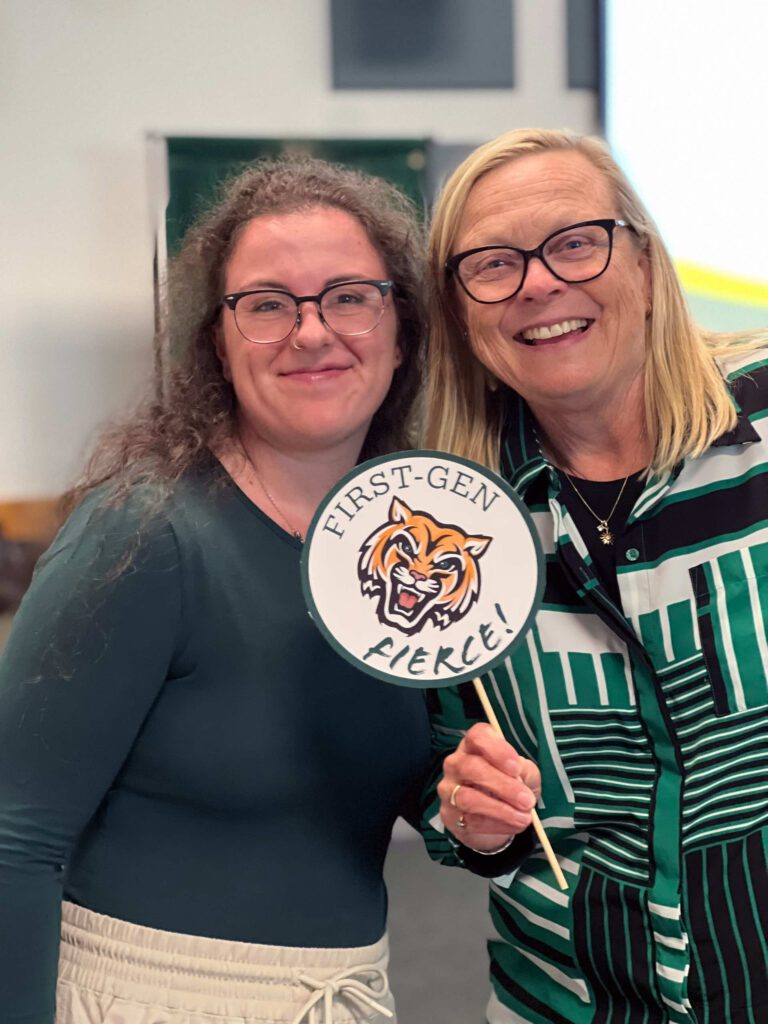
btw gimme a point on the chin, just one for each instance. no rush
(559, 390)
(320, 437)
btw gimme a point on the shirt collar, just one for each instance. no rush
(522, 460)
(743, 432)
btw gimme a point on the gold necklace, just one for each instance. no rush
(296, 534)
(603, 528)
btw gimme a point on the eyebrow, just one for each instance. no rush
(567, 223)
(278, 286)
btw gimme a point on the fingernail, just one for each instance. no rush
(526, 801)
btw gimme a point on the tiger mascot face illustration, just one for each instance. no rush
(420, 570)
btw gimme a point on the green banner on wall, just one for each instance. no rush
(198, 166)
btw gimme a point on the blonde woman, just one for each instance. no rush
(563, 354)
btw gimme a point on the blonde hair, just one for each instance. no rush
(687, 404)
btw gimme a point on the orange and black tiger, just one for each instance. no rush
(421, 570)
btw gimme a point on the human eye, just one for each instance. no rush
(265, 304)
(575, 245)
(493, 264)
(349, 295)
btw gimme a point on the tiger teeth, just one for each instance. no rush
(408, 589)
(553, 331)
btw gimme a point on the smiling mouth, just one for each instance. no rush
(317, 371)
(533, 336)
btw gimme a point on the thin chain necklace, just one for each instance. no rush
(296, 534)
(603, 528)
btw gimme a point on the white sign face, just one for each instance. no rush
(422, 568)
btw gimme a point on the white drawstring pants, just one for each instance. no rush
(113, 972)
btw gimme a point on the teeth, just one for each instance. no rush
(553, 331)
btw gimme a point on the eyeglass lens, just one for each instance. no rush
(350, 309)
(574, 254)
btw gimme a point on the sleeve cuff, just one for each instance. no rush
(500, 862)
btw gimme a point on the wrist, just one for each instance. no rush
(497, 846)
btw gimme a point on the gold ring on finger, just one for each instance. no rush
(461, 823)
(454, 791)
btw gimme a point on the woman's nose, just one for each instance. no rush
(540, 282)
(311, 330)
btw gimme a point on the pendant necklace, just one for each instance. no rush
(603, 528)
(296, 534)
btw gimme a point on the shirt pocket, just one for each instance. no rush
(731, 594)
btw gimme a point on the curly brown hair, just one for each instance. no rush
(191, 411)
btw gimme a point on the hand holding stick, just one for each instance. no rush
(535, 820)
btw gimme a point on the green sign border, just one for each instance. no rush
(462, 677)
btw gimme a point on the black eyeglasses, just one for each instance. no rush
(580, 252)
(265, 316)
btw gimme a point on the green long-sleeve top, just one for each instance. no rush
(180, 748)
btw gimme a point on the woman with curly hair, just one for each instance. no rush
(186, 767)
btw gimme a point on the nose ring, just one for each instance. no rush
(295, 344)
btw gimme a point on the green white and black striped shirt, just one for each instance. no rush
(650, 725)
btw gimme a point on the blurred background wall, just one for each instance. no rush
(90, 92)
(85, 83)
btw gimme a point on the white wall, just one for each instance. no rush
(82, 83)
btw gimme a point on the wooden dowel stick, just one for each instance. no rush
(535, 820)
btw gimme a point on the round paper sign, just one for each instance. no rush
(422, 568)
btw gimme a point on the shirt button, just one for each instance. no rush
(632, 554)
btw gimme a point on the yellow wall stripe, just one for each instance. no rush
(713, 284)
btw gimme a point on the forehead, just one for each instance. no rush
(524, 200)
(321, 233)
(302, 227)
